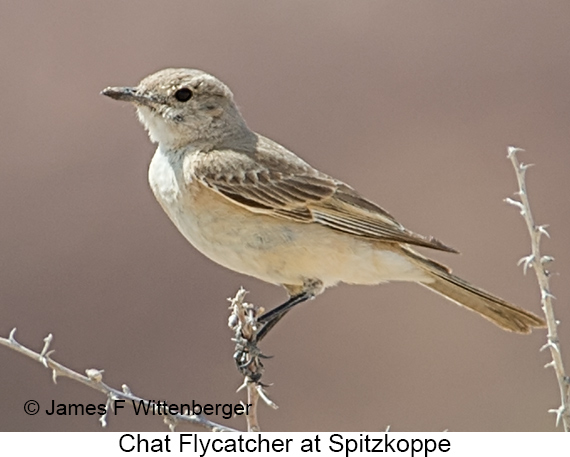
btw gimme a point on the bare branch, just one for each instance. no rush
(243, 321)
(538, 262)
(94, 380)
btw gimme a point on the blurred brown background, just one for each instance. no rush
(413, 103)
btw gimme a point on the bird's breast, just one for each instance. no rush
(165, 176)
(267, 247)
(221, 230)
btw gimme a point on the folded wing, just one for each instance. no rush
(277, 183)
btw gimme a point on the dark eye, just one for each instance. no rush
(183, 95)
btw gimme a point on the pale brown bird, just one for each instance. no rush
(252, 206)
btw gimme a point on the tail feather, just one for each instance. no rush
(498, 311)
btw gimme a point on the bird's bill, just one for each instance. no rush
(126, 94)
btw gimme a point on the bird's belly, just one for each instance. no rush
(280, 251)
(273, 249)
(231, 236)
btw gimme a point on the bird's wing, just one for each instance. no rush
(283, 186)
(349, 212)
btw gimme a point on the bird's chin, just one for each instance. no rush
(158, 130)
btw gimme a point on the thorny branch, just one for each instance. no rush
(94, 380)
(538, 262)
(243, 321)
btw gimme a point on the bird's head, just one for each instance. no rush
(181, 107)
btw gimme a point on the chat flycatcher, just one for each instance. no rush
(253, 206)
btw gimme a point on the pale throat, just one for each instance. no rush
(159, 131)
(167, 176)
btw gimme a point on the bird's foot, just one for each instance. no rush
(244, 322)
(248, 359)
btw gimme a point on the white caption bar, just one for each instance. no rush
(278, 444)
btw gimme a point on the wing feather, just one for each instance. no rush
(275, 182)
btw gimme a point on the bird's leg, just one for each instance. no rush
(247, 354)
(270, 318)
(297, 294)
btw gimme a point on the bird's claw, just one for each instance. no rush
(247, 358)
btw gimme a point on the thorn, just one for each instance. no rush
(45, 358)
(526, 262)
(559, 413)
(171, 422)
(513, 202)
(512, 150)
(242, 404)
(103, 418)
(265, 398)
(546, 259)
(45, 353)
(12, 336)
(523, 167)
(542, 230)
(240, 294)
(556, 347)
(549, 364)
(54, 376)
(243, 386)
(47, 341)
(126, 389)
(94, 375)
(546, 295)
(516, 203)
(387, 429)
(552, 345)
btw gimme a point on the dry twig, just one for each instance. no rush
(538, 262)
(243, 321)
(94, 379)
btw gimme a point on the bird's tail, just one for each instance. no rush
(498, 311)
